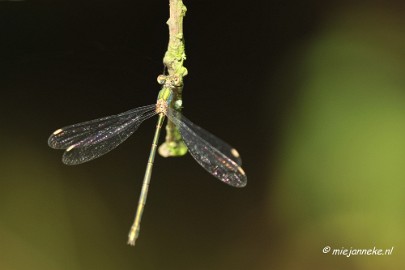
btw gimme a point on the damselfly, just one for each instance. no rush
(89, 140)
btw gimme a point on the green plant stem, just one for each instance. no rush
(173, 60)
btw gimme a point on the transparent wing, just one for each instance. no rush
(82, 133)
(89, 140)
(214, 141)
(207, 149)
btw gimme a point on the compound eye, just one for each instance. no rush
(161, 79)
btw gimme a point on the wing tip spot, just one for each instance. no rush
(57, 131)
(241, 170)
(235, 153)
(70, 148)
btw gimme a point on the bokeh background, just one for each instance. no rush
(311, 93)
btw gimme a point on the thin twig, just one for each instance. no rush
(173, 60)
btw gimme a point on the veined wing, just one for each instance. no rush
(65, 137)
(207, 149)
(91, 139)
(214, 141)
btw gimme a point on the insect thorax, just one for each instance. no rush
(161, 106)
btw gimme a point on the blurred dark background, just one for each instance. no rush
(311, 94)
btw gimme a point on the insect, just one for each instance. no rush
(89, 140)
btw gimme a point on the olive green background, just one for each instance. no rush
(312, 94)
